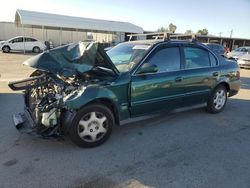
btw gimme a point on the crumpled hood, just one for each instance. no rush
(71, 59)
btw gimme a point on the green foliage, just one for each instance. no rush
(202, 32)
(172, 28)
(189, 32)
(162, 29)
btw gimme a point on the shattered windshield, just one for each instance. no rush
(126, 55)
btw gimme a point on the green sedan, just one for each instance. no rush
(81, 91)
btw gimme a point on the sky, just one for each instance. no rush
(215, 15)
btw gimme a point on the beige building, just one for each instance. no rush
(62, 29)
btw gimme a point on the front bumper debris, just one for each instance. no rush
(24, 123)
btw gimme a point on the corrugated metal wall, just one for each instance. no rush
(9, 30)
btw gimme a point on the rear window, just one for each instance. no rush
(30, 40)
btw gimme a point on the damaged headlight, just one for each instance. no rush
(49, 108)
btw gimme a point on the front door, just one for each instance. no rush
(162, 90)
(17, 44)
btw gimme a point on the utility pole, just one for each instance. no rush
(220, 34)
(231, 33)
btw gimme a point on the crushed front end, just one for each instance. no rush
(44, 104)
(61, 73)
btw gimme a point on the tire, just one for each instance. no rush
(217, 100)
(36, 49)
(6, 49)
(92, 126)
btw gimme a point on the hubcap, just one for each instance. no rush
(36, 50)
(92, 127)
(219, 99)
(5, 49)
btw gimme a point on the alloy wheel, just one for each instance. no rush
(219, 99)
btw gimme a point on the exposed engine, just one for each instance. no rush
(45, 94)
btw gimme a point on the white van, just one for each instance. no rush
(20, 43)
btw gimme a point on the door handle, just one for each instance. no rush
(178, 79)
(215, 73)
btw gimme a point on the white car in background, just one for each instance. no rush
(20, 43)
(244, 61)
(238, 52)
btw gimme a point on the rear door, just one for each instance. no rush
(201, 73)
(163, 90)
(30, 43)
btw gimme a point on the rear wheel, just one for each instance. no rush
(217, 100)
(6, 49)
(92, 126)
(36, 49)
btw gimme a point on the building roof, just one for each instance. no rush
(31, 18)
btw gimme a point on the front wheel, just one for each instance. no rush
(217, 100)
(6, 49)
(91, 126)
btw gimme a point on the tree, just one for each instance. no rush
(162, 29)
(172, 28)
(202, 32)
(189, 32)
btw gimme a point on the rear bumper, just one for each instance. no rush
(234, 87)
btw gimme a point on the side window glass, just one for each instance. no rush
(30, 40)
(167, 59)
(18, 40)
(196, 58)
(212, 60)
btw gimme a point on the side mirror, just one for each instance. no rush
(147, 68)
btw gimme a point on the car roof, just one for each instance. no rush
(22, 37)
